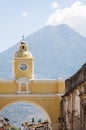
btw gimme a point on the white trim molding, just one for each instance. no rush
(26, 82)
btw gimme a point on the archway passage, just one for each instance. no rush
(21, 112)
(49, 103)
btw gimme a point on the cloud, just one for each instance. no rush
(24, 14)
(74, 16)
(54, 4)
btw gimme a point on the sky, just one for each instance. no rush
(24, 17)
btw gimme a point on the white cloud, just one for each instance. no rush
(74, 16)
(54, 4)
(24, 14)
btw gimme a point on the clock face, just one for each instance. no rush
(23, 66)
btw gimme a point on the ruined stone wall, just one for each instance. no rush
(74, 102)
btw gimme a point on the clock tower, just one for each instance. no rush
(23, 66)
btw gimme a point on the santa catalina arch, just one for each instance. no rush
(24, 88)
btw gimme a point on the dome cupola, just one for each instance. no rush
(23, 51)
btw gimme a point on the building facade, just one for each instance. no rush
(73, 115)
(23, 87)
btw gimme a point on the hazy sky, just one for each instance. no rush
(23, 17)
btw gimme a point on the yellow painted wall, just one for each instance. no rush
(61, 86)
(8, 87)
(28, 73)
(35, 86)
(50, 104)
(47, 86)
(45, 89)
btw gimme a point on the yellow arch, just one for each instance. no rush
(32, 103)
